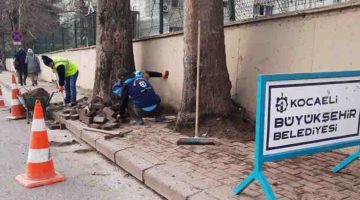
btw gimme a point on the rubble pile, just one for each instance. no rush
(93, 112)
(38, 92)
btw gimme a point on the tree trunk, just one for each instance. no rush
(215, 86)
(114, 51)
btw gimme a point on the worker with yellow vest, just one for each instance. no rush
(67, 73)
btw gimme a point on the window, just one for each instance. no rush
(225, 3)
(262, 10)
(175, 3)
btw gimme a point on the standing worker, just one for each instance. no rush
(20, 66)
(33, 65)
(67, 73)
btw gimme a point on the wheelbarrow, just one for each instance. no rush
(29, 104)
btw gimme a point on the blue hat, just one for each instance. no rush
(46, 60)
(138, 74)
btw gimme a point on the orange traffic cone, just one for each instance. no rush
(39, 167)
(2, 103)
(17, 110)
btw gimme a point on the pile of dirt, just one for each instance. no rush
(39, 92)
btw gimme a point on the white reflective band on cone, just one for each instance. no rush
(38, 125)
(1, 98)
(39, 155)
(13, 86)
(15, 102)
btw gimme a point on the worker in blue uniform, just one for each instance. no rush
(137, 95)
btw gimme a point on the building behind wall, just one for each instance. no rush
(247, 9)
(272, 7)
(148, 16)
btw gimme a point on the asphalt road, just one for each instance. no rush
(88, 174)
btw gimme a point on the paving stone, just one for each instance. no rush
(54, 126)
(62, 126)
(84, 118)
(109, 113)
(97, 106)
(74, 117)
(66, 116)
(96, 126)
(99, 119)
(67, 111)
(110, 126)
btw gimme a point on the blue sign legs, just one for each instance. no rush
(258, 173)
(347, 161)
(260, 177)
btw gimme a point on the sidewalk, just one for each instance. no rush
(150, 154)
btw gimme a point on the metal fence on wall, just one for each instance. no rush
(235, 10)
(154, 17)
(77, 32)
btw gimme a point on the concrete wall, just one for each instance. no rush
(318, 40)
(84, 58)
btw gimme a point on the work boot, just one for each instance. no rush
(137, 121)
(159, 118)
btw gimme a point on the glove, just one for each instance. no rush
(61, 88)
(165, 74)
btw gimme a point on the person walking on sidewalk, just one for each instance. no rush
(20, 66)
(68, 73)
(33, 65)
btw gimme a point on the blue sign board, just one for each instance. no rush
(303, 114)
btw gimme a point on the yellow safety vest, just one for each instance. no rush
(70, 67)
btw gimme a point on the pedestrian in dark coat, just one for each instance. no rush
(21, 66)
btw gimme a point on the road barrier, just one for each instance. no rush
(17, 110)
(40, 168)
(2, 103)
(303, 114)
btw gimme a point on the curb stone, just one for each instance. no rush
(202, 195)
(109, 149)
(151, 173)
(91, 137)
(75, 130)
(132, 163)
(168, 184)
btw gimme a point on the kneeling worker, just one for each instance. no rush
(67, 73)
(139, 97)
